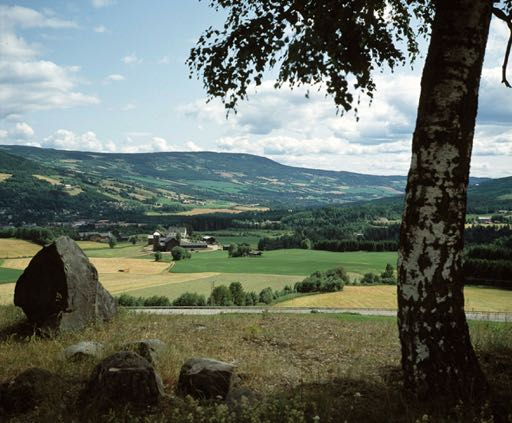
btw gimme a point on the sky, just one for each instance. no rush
(110, 76)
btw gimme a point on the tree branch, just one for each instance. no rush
(508, 19)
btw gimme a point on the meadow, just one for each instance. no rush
(302, 368)
(132, 269)
(287, 262)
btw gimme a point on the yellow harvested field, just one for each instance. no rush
(92, 245)
(10, 247)
(126, 265)
(4, 176)
(73, 191)
(195, 212)
(117, 283)
(126, 282)
(252, 208)
(51, 181)
(384, 296)
(487, 299)
(7, 293)
(379, 296)
(107, 265)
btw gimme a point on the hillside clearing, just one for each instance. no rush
(384, 296)
(287, 262)
(4, 176)
(51, 181)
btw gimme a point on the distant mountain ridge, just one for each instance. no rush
(174, 181)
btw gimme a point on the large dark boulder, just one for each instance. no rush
(59, 290)
(205, 378)
(121, 379)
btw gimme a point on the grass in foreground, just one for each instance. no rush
(340, 368)
(287, 262)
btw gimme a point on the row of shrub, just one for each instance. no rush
(239, 250)
(387, 277)
(222, 295)
(331, 280)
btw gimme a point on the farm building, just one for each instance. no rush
(173, 237)
(484, 219)
(209, 239)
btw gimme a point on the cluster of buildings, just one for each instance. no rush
(178, 236)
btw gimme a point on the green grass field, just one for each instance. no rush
(124, 250)
(286, 262)
(9, 275)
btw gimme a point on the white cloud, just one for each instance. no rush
(289, 128)
(88, 141)
(100, 29)
(27, 82)
(23, 17)
(22, 130)
(115, 77)
(102, 3)
(131, 59)
(160, 144)
(128, 106)
(18, 133)
(164, 60)
(192, 146)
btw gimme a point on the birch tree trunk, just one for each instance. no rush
(437, 355)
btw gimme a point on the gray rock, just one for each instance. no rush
(84, 350)
(59, 290)
(205, 378)
(121, 379)
(150, 349)
(29, 389)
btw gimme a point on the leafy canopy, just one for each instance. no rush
(336, 44)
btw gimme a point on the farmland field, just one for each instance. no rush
(8, 275)
(105, 265)
(10, 248)
(202, 283)
(286, 262)
(384, 296)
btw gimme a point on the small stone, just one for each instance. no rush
(84, 350)
(150, 349)
(205, 378)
